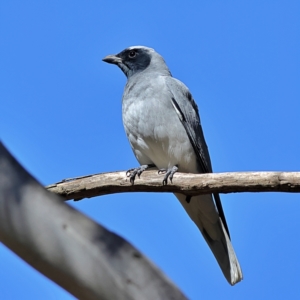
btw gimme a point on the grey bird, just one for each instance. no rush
(162, 123)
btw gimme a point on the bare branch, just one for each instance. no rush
(189, 184)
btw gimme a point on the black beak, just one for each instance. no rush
(112, 59)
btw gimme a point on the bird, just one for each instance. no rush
(162, 123)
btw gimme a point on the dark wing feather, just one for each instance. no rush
(189, 116)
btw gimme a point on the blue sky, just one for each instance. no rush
(60, 117)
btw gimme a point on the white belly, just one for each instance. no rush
(157, 137)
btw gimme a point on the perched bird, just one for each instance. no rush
(162, 123)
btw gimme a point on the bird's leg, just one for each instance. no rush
(137, 171)
(169, 174)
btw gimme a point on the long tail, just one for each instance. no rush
(202, 211)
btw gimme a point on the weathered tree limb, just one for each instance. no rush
(81, 256)
(189, 184)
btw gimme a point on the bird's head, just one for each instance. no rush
(136, 59)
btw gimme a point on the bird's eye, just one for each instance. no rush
(132, 54)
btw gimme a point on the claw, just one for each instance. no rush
(128, 173)
(169, 174)
(131, 173)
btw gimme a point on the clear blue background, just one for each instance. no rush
(60, 115)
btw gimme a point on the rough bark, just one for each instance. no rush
(189, 184)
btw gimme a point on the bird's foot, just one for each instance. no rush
(137, 171)
(169, 174)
